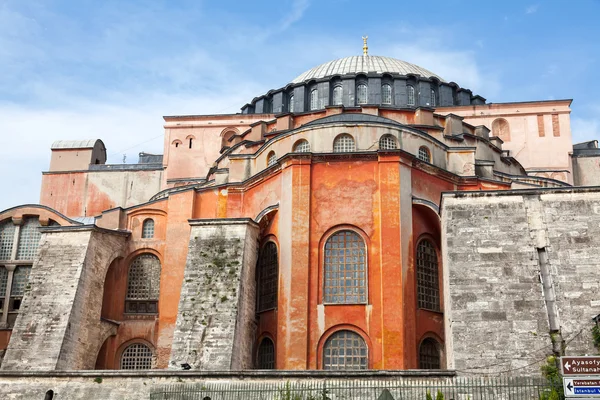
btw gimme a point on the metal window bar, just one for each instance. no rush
(7, 237)
(29, 239)
(143, 285)
(302, 146)
(387, 142)
(148, 229)
(268, 277)
(271, 159)
(337, 96)
(345, 279)
(344, 144)
(428, 287)
(345, 350)
(411, 96)
(136, 356)
(424, 154)
(386, 94)
(266, 354)
(314, 99)
(361, 94)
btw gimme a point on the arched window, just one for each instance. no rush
(143, 285)
(345, 265)
(301, 146)
(225, 138)
(345, 350)
(314, 99)
(29, 239)
(49, 395)
(176, 143)
(429, 354)
(148, 229)
(271, 159)
(501, 129)
(268, 277)
(136, 356)
(424, 154)
(7, 237)
(428, 286)
(337, 96)
(19, 281)
(386, 94)
(344, 143)
(361, 94)
(266, 354)
(291, 103)
(411, 95)
(388, 142)
(433, 100)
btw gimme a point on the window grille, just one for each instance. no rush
(271, 159)
(428, 289)
(266, 354)
(344, 144)
(302, 146)
(429, 355)
(314, 99)
(424, 154)
(136, 356)
(345, 350)
(148, 229)
(143, 285)
(411, 96)
(433, 98)
(29, 239)
(337, 96)
(386, 94)
(20, 279)
(268, 270)
(3, 285)
(387, 142)
(291, 103)
(345, 269)
(361, 94)
(7, 237)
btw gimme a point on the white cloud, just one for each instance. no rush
(532, 9)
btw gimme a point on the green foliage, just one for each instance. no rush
(98, 380)
(287, 394)
(439, 395)
(428, 397)
(596, 336)
(551, 372)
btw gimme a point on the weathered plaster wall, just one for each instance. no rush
(585, 171)
(59, 325)
(215, 326)
(496, 313)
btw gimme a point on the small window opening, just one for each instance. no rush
(49, 395)
(176, 144)
(190, 143)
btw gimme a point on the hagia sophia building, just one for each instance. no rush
(367, 215)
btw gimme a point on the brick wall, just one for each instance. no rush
(216, 320)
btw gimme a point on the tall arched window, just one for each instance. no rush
(314, 99)
(266, 354)
(345, 265)
(433, 100)
(143, 285)
(337, 96)
(386, 94)
(345, 350)
(344, 143)
(7, 238)
(271, 159)
(501, 129)
(411, 95)
(361, 94)
(429, 355)
(424, 154)
(388, 142)
(291, 103)
(301, 146)
(29, 239)
(136, 356)
(148, 229)
(268, 267)
(428, 286)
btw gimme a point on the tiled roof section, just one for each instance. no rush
(74, 144)
(365, 64)
(353, 118)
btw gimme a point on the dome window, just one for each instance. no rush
(361, 94)
(411, 96)
(344, 143)
(291, 103)
(386, 94)
(387, 142)
(271, 159)
(424, 154)
(337, 96)
(314, 99)
(433, 101)
(302, 146)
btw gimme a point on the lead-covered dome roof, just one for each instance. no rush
(364, 64)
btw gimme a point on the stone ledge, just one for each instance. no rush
(221, 221)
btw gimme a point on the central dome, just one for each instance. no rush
(364, 64)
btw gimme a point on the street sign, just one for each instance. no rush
(584, 386)
(585, 365)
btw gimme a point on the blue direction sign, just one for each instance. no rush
(584, 386)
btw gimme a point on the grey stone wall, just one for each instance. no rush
(216, 320)
(59, 325)
(497, 312)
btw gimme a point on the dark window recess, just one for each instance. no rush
(428, 287)
(141, 307)
(429, 355)
(268, 271)
(266, 354)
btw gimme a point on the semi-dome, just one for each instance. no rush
(364, 64)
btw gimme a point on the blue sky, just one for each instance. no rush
(111, 69)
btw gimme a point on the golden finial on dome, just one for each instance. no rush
(365, 47)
